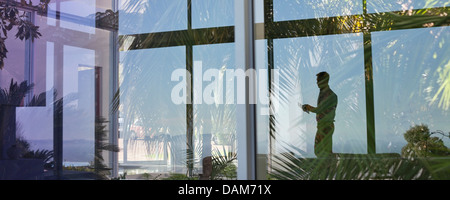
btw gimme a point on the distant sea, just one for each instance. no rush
(75, 152)
(75, 164)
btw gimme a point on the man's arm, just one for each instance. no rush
(308, 108)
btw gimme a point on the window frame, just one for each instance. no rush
(368, 26)
(247, 31)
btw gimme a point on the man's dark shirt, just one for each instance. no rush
(326, 106)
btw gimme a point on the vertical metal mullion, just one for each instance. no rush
(189, 110)
(189, 14)
(252, 88)
(368, 68)
(114, 116)
(246, 117)
(29, 60)
(268, 23)
(58, 112)
(189, 96)
(58, 103)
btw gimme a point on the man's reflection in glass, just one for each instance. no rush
(325, 113)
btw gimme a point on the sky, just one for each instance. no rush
(406, 64)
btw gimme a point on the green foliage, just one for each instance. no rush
(421, 144)
(148, 176)
(11, 16)
(78, 168)
(223, 166)
(15, 93)
(14, 96)
(177, 176)
(102, 170)
(292, 166)
(43, 154)
(422, 158)
(417, 134)
(444, 89)
(121, 177)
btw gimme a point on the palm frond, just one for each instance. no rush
(293, 166)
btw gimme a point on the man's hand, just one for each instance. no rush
(306, 108)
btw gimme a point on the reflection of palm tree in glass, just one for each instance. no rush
(325, 113)
(10, 98)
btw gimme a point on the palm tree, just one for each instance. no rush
(101, 170)
(10, 98)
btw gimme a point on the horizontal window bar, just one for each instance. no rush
(422, 18)
(180, 38)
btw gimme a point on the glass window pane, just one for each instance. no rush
(259, 11)
(285, 10)
(23, 119)
(262, 106)
(262, 111)
(410, 70)
(215, 94)
(153, 126)
(299, 60)
(51, 14)
(36, 123)
(375, 6)
(147, 16)
(70, 66)
(212, 13)
(14, 64)
(79, 106)
(78, 15)
(106, 103)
